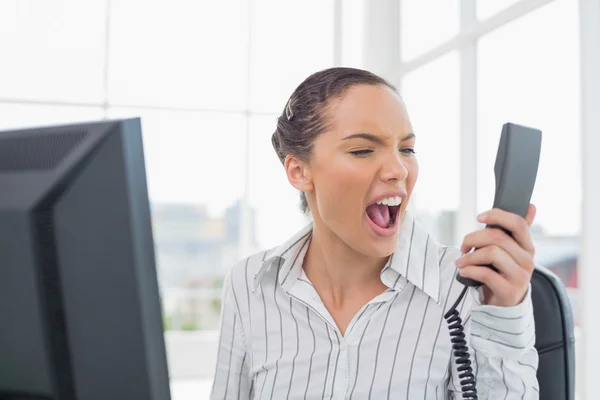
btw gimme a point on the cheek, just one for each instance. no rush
(340, 187)
(342, 182)
(413, 174)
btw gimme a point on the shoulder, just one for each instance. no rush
(243, 272)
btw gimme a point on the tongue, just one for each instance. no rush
(380, 214)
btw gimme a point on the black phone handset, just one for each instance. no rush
(516, 169)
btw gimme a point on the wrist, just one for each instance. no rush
(487, 297)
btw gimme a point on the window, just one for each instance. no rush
(432, 97)
(488, 8)
(208, 79)
(52, 50)
(530, 76)
(274, 199)
(353, 15)
(15, 116)
(426, 24)
(193, 158)
(181, 53)
(290, 40)
(195, 164)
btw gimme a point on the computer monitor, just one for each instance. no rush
(80, 314)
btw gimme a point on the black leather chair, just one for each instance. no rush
(555, 338)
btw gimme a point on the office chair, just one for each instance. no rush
(555, 338)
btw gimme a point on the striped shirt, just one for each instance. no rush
(278, 341)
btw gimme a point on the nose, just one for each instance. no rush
(393, 168)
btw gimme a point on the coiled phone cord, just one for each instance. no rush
(461, 350)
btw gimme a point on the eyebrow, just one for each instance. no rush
(374, 138)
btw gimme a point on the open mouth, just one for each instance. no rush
(384, 213)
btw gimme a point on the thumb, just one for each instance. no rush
(531, 211)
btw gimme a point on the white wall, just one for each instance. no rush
(589, 276)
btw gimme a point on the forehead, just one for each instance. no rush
(369, 109)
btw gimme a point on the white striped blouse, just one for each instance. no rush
(278, 341)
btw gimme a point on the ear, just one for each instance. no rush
(298, 173)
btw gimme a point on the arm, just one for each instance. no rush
(502, 329)
(232, 373)
(502, 350)
(504, 339)
(502, 347)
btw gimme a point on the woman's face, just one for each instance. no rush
(363, 170)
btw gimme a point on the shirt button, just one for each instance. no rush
(343, 346)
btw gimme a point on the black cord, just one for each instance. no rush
(461, 350)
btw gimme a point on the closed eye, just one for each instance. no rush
(361, 153)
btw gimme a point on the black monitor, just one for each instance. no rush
(80, 314)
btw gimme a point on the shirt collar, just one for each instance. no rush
(416, 259)
(288, 255)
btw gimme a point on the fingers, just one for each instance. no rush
(504, 263)
(497, 290)
(531, 213)
(496, 238)
(512, 256)
(494, 281)
(518, 226)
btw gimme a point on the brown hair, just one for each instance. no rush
(304, 116)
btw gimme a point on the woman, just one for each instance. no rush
(352, 307)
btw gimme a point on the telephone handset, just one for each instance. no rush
(516, 169)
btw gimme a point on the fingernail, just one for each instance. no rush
(482, 216)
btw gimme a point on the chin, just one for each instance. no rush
(380, 249)
(375, 245)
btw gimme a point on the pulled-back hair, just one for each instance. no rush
(304, 117)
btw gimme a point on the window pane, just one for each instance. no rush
(529, 74)
(426, 24)
(275, 200)
(488, 8)
(353, 16)
(290, 40)
(52, 50)
(179, 53)
(195, 164)
(193, 158)
(432, 97)
(16, 116)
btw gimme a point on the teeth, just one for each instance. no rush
(391, 201)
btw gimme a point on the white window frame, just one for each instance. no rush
(379, 26)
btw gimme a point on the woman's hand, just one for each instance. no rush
(512, 256)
